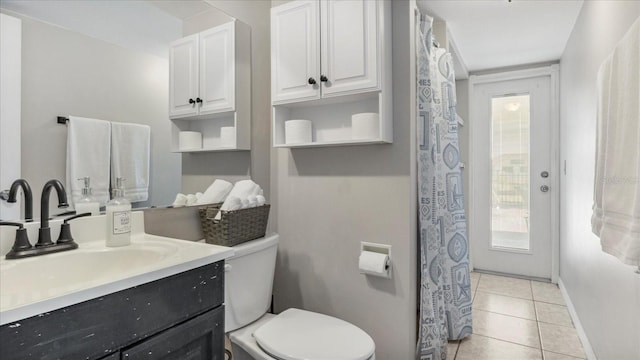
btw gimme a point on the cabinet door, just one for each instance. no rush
(201, 338)
(217, 69)
(295, 46)
(183, 76)
(349, 46)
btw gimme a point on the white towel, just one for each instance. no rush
(130, 145)
(216, 192)
(191, 199)
(181, 200)
(88, 154)
(616, 209)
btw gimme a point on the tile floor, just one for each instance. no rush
(515, 319)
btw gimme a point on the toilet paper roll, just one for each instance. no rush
(374, 263)
(228, 136)
(189, 140)
(365, 126)
(297, 131)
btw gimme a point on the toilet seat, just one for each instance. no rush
(298, 335)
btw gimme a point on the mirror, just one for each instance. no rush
(105, 60)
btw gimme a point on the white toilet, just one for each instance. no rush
(293, 334)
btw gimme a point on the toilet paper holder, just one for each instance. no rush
(379, 249)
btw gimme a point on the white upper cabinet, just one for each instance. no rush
(210, 87)
(183, 76)
(349, 46)
(295, 51)
(217, 69)
(324, 48)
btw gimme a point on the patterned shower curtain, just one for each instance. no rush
(445, 291)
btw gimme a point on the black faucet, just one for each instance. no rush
(28, 198)
(22, 247)
(44, 234)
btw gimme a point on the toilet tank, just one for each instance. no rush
(248, 281)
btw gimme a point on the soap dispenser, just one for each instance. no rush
(118, 211)
(87, 204)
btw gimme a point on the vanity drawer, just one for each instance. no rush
(98, 327)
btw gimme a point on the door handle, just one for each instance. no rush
(544, 174)
(544, 188)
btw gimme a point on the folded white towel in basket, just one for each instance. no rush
(241, 192)
(216, 192)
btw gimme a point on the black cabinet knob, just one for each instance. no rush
(198, 100)
(323, 78)
(311, 81)
(191, 101)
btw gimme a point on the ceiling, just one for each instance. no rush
(491, 34)
(182, 9)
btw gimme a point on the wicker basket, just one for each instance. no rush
(234, 227)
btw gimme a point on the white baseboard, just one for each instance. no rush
(586, 345)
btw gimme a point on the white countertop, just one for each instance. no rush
(36, 285)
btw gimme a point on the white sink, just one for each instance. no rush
(39, 284)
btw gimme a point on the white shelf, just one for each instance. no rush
(333, 143)
(331, 120)
(210, 130)
(208, 150)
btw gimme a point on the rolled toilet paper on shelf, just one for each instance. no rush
(374, 263)
(365, 126)
(297, 131)
(190, 140)
(228, 136)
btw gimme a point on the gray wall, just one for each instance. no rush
(66, 73)
(330, 199)
(604, 292)
(200, 169)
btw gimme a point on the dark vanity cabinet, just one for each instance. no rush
(177, 317)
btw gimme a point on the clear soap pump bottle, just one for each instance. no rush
(87, 204)
(118, 211)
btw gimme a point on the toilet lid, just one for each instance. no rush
(298, 335)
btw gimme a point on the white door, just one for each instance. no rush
(349, 46)
(295, 51)
(513, 166)
(183, 77)
(217, 69)
(10, 112)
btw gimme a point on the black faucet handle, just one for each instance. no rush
(21, 242)
(76, 216)
(65, 230)
(10, 223)
(4, 195)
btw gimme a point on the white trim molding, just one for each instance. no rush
(586, 345)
